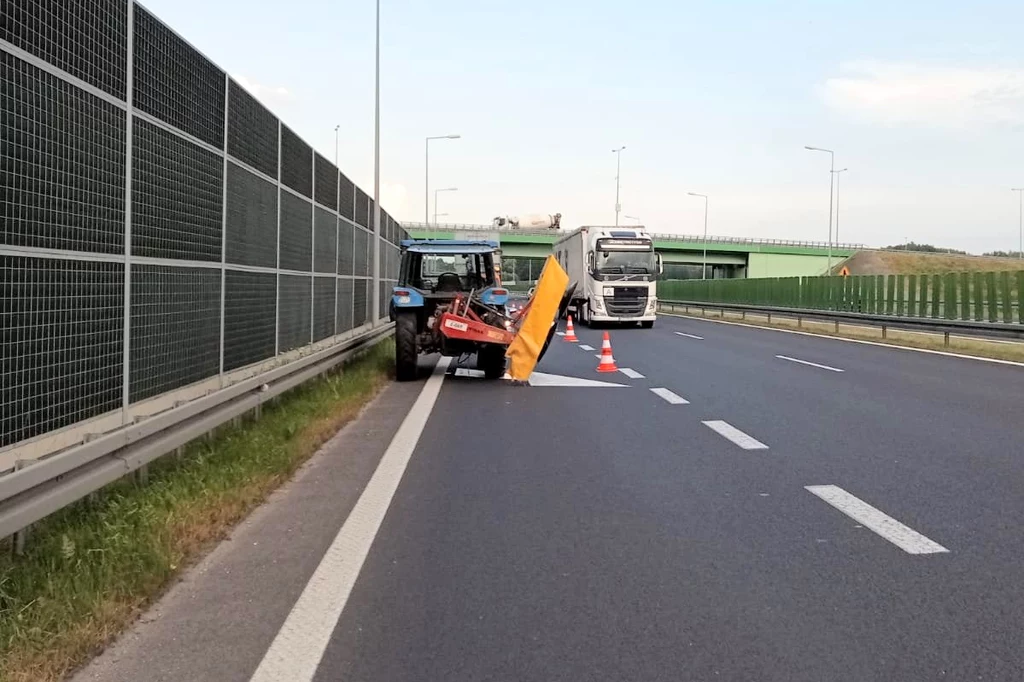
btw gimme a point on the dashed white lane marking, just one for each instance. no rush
(907, 539)
(473, 373)
(295, 653)
(669, 397)
(542, 379)
(690, 336)
(584, 346)
(730, 432)
(810, 364)
(631, 373)
(560, 333)
(890, 346)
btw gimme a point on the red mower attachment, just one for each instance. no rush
(466, 325)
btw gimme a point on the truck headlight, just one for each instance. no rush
(609, 291)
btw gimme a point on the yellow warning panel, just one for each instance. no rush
(525, 349)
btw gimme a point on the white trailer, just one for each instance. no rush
(615, 270)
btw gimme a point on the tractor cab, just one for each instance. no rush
(449, 300)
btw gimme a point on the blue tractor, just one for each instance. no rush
(449, 301)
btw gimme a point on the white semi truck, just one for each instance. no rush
(615, 270)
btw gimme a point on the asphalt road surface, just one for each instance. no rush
(734, 504)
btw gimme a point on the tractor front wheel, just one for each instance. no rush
(405, 346)
(491, 359)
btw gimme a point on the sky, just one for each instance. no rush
(922, 102)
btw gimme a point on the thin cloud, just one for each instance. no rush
(911, 94)
(268, 94)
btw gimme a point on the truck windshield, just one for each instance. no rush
(622, 262)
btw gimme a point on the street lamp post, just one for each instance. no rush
(633, 217)
(618, 170)
(426, 175)
(836, 173)
(704, 267)
(831, 181)
(445, 189)
(375, 269)
(1020, 247)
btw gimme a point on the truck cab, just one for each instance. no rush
(616, 271)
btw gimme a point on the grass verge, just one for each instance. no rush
(89, 570)
(998, 350)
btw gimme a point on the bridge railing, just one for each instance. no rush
(659, 236)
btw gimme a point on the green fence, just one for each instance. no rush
(981, 296)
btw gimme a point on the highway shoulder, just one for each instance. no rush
(217, 622)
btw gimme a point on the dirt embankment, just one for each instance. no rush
(903, 262)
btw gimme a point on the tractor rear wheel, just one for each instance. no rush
(405, 346)
(491, 359)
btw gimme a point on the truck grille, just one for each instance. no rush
(627, 302)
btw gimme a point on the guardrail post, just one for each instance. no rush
(837, 326)
(769, 318)
(945, 339)
(18, 542)
(799, 322)
(884, 332)
(142, 475)
(18, 538)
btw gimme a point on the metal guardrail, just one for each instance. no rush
(30, 494)
(997, 330)
(661, 236)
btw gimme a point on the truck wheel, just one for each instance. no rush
(405, 346)
(491, 359)
(647, 324)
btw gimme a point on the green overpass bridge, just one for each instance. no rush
(727, 257)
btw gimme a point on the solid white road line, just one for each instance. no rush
(584, 346)
(295, 653)
(689, 336)
(810, 364)
(631, 373)
(907, 539)
(669, 397)
(727, 430)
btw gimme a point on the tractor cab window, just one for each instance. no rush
(454, 272)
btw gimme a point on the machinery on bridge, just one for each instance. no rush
(616, 269)
(449, 300)
(529, 222)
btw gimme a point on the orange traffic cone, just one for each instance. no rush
(607, 363)
(570, 333)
